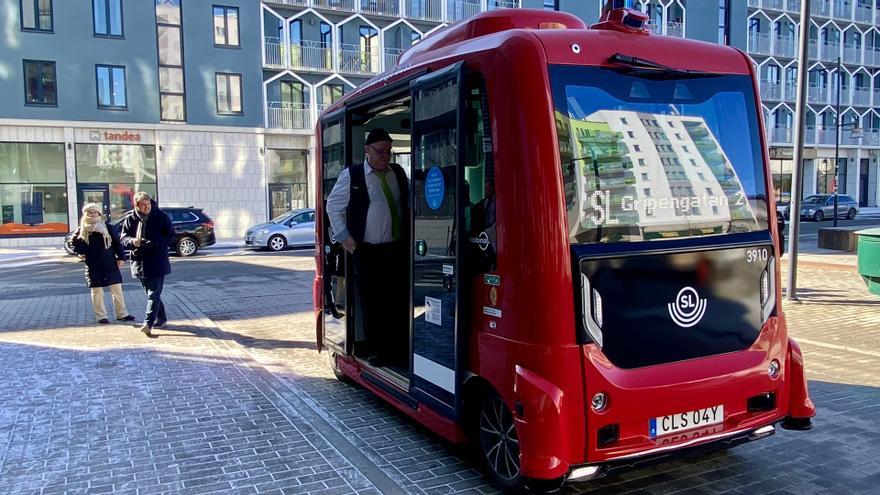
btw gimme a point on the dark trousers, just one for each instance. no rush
(155, 308)
(381, 274)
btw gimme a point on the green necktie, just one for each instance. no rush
(395, 216)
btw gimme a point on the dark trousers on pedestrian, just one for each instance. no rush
(381, 276)
(155, 308)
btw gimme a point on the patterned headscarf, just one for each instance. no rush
(88, 225)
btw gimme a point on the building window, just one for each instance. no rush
(228, 93)
(120, 170)
(288, 180)
(40, 86)
(111, 87)
(172, 85)
(36, 15)
(226, 26)
(33, 189)
(107, 16)
(551, 4)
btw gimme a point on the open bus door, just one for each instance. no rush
(335, 288)
(437, 177)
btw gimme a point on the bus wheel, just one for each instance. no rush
(334, 367)
(498, 443)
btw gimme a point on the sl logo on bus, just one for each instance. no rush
(688, 309)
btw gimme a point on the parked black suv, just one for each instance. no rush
(193, 229)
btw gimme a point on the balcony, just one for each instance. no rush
(781, 135)
(759, 43)
(871, 137)
(392, 56)
(754, 3)
(273, 53)
(872, 56)
(771, 91)
(845, 96)
(852, 54)
(791, 91)
(429, 10)
(814, 49)
(502, 4)
(810, 134)
(353, 60)
(817, 94)
(842, 10)
(311, 55)
(862, 97)
(773, 4)
(457, 10)
(825, 134)
(296, 3)
(675, 29)
(338, 5)
(864, 14)
(830, 51)
(784, 46)
(283, 115)
(381, 7)
(794, 5)
(822, 8)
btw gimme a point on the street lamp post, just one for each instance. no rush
(837, 138)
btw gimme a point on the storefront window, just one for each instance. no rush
(33, 191)
(288, 183)
(781, 170)
(111, 174)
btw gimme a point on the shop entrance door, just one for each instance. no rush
(280, 199)
(863, 182)
(94, 193)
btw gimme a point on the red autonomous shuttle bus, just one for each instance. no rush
(593, 277)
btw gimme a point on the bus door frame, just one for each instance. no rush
(453, 408)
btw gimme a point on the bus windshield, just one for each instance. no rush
(651, 156)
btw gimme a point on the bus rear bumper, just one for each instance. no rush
(587, 472)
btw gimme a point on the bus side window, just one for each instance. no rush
(479, 199)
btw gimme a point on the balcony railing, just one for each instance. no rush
(311, 55)
(771, 91)
(430, 10)
(759, 43)
(823, 8)
(392, 56)
(501, 4)
(381, 7)
(773, 4)
(794, 5)
(785, 46)
(830, 51)
(817, 94)
(780, 135)
(790, 91)
(283, 115)
(871, 137)
(825, 134)
(344, 5)
(810, 134)
(754, 3)
(842, 10)
(356, 61)
(845, 96)
(864, 14)
(458, 10)
(872, 56)
(813, 47)
(862, 97)
(675, 29)
(852, 53)
(273, 53)
(298, 3)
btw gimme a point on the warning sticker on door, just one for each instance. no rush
(433, 310)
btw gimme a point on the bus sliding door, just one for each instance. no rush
(335, 266)
(436, 180)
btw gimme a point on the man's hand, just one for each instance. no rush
(349, 245)
(120, 263)
(136, 242)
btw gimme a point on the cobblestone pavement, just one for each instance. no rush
(233, 398)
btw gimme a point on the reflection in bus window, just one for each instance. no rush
(647, 158)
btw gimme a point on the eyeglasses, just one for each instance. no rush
(93, 213)
(381, 152)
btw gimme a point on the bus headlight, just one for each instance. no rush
(768, 290)
(591, 309)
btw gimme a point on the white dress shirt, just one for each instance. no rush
(378, 228)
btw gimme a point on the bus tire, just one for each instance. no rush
(334, 367)
(497, 444)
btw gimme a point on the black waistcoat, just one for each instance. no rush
(359, 202)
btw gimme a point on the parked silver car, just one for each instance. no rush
(821, 206)
(293, 229)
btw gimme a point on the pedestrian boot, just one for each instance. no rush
(147, 330)
(103, 321)
(126, 318)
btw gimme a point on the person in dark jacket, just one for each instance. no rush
(97, 241)
(147, 231)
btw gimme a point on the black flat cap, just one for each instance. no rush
(378, 135)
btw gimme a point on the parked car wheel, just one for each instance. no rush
(187, 246)
(851, 214)
(277, 243)
(499, 445)
(819, 216)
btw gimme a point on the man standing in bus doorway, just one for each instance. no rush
(368, 214)
(147, 230)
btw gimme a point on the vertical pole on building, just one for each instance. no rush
(837, 139)
(797, 182)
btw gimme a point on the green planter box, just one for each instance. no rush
(869, 258)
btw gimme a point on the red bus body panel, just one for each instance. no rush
(531, 357)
